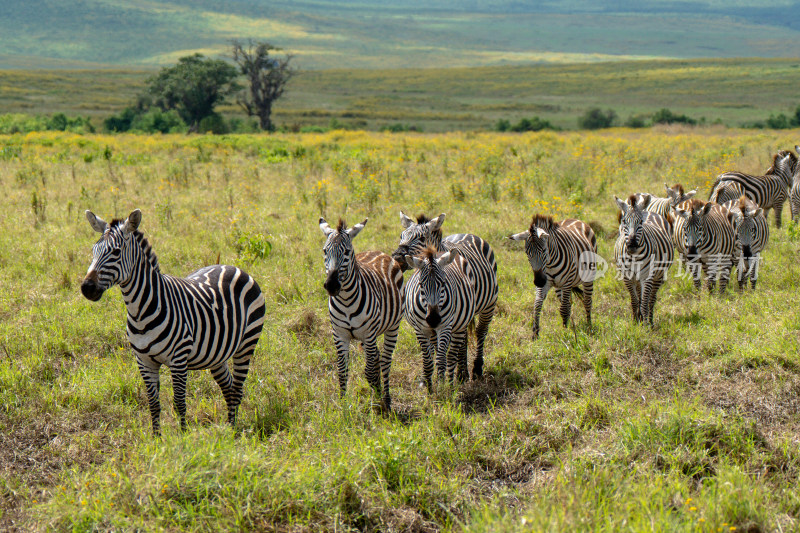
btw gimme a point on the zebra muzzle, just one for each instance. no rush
(433, 318)
(399, 255)
(747, 252)
(332, 284)
(91, 290)
(539, 279)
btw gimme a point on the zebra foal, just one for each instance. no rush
(365, 301)
(559, 254)
(707, 235)
(418, 236)
(439, 305)
(193, 323)
(643, 253)
(752, 235)
(768, 191)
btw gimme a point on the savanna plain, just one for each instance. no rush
(692, 425)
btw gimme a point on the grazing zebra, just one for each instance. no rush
(709, 240)
(557, 252)
(643, 253)
(768, 191)
(365, 302)
(664, 206)
(439, 305)
(752, 235)
(419, 235)
(193, 323)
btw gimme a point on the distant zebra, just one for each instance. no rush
(752, 235)
(643, 253)
(419, 235)
(709, 241)
(365, 302)
(193, 323)
(768, 191)
(561, 255)
(794, 193)
(664, 206)
(439, 305)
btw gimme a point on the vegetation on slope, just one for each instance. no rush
(688, 426)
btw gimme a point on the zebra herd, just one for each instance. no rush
(216, 314)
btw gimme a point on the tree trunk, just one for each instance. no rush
(264, 116)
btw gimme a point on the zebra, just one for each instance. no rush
(794, 193)
(365, 301)
(559, 253)
(752, 235)
(643, 253)
(709, 240)
(768, 191)
(417, 236)
(193, 323)
(664, 206)
(439, 305)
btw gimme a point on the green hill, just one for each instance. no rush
(410, 33)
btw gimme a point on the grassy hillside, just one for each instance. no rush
(732, 91)
(326, 34)
(689, 426)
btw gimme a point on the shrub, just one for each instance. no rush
(595, 119)
(532, 124)
(157, 121)
(779, 122)
(213, 124)
(636, 121)
(665, 116)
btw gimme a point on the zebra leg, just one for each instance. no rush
(755, 261)
(443, 338)
(241, 366)
(462, 370)
(778, 213)
(588, 290)
(178, 371)
(565, 297)
(657, 283)
(372, 363)
(458, 345)
(710, 281)
(631, 286)
(389, 342)
(152, 385)
(224, 379)
(427, 360)
(481, 330)
(541, 294)
(742, 271)
(342, 362)
(724, 275)
(644, 302)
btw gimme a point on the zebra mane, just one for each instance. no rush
(342, 226)
(695, 204)
(141, 241)
(780, 155)
(422, 219)
(429, 253)
(679, 187)
(543, 221)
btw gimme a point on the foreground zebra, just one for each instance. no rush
(560, 254)
(365, 302)
(752, 235)
(664, 206)
(794, 193)
(439, 305)
(768, 191)
(708, 238)
(419, 235)
(643, 253)
(193, 323)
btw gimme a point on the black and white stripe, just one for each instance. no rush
(365, 302)
(643, 253)
(561, 255)
(752, 236)
(664, 206)
(424, 233)
(709, 241)
(439, 305)
(193, 323)
(768, 191)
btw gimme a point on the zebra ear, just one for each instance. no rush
(355, 230)
(447, 258)
(97, 223)
(413, 262)
(541, 233)
(689, 195)
(326, 229)
(133, 221)
(707, 208)
(520, 236)
(758, 212)
(622, 205)
(643, 201)
(672, 193)
(436, 223)
(682, 213)
(405, 221)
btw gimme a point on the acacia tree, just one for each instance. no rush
(193, 87)
(266, 77)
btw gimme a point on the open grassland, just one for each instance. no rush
(691, 426)
(732, 91)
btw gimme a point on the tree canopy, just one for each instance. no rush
(266, 78)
